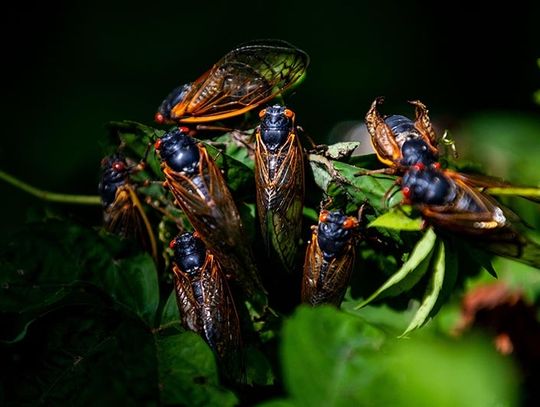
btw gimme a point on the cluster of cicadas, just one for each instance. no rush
(218, 252)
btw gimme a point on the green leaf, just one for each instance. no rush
(82, 355)
(341, 150)
(137, 140)
(410, 272)
(397, 219)
(327, 357)
(432, 293)
(238, 176)
(334, 359)
(342, 181)
(188, 374)
(432, 371)
(133, 283)
(311, 214)
(44, 267)
(170, 313)
(258, 368)
(236, 145)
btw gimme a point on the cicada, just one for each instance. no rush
(400, 142)
(201, 192)
(205, 301)
(243, 79)
(123, 213)
(329, 258)
(279, 176)
(455, 202)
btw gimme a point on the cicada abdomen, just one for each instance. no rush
(279, 176)
(201, 192)
(329, 259)
(205, 302)
(123, 213)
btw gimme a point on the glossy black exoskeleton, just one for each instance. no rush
(179, 151)
(176, 96)
(189, 252)
(276, 125)
(428, 186)
(333, 235)
(115, 174)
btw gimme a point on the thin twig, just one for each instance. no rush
(50, 196)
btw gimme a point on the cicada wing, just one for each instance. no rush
(312, 267)
(187, 303)
(218, 312)
(280, 196)
(242, 80)
(484, 181)
(126, 217)
(423, 124)
(335, 281)
(382, 138)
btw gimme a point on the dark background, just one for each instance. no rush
(71, 68)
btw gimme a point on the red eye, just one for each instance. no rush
(436, 165)
(119, 166)
(157, 144)
(158, 118)
(172, 243)
(406, 191)
(419, 166)
(350, 223)
(183, 129)
(323, 216)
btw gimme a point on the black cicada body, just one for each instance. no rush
(329, 259)
(123, 213)
(279, 176)
(205, 301)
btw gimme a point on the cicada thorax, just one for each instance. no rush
(123, 213)
(205, 301)
(279, 177)
(329, 260)
(400, 142)
(201, 192)
(243, 79)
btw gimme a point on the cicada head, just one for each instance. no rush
(189, 252)
(114, 174)
(179, 151)
(334, 232)
(277, 122)
(427, 185)
(178, 94)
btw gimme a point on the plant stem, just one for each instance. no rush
(50, 196)
(525, 192)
